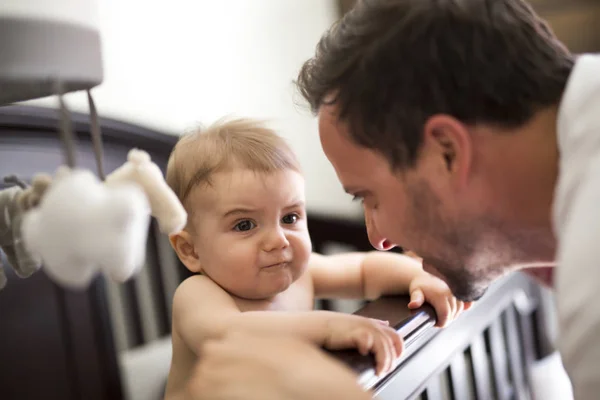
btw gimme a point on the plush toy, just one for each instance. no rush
(31, 196)
(13, 203)
(82, 227)
(164, 204)
(2, 276)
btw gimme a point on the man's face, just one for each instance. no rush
(425, 210)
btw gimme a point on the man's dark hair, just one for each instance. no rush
(392, 64)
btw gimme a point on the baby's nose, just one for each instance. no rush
(276, 240)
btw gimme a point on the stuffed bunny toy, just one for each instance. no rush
(82, 227)
(14, 202)
(164, 204)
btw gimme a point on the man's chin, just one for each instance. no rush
(471, 297)
(465, 286)
(466, 293)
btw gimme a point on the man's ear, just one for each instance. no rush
(183, 245)
(448, 144)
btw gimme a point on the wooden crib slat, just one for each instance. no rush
(526, 331)
(515, 352)
(434, 389)
(132, 312)
(119, 321)
(90, 343)
(459, 376)
(169, 269)
(499, 361)
(157, 286)
(148, 302)
(481, 369)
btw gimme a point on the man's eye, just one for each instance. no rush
(244, 226)
(290, 219)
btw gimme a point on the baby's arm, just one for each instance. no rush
(374, 274)
(368, 275)
(203, 311)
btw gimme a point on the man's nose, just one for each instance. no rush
(377, 240)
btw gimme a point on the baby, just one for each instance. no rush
(247, 241)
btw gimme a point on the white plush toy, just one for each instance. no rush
(164, 204)
(83, 227)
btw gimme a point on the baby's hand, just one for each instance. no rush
(426, 287)
(368, 336)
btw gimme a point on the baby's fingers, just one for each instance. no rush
(417, 298)
(443, 310)
(397, 342)
(382, 322)
(460, 308)
(454, 303)
(383, 351)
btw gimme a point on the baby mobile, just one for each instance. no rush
(75, 224)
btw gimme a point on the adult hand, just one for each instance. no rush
(367, 335)
(245, 367)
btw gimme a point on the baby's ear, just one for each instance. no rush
(183, 245)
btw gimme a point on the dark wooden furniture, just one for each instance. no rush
(56, 343)
(62, 344)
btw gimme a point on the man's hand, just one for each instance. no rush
(244, 367)
(367, 336)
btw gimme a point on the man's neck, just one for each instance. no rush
(525, 178)
(537, 168)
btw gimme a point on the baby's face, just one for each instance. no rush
(251, 232)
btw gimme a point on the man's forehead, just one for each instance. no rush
(351, 161)
(335, 138)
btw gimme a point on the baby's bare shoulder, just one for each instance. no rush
(199, 291)
(195, 282)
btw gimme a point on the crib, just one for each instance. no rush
(112, 341)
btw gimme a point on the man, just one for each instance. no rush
(478, 136)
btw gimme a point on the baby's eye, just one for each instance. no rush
(290, 219)
(244, 226)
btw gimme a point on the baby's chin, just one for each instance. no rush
(267, 289)
(278, 283)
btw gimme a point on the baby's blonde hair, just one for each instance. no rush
(235, 143)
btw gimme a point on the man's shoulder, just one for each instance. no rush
(580, 103)
(578, 131)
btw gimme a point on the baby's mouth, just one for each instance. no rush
(277, 265)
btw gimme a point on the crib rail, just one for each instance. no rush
(485, 354)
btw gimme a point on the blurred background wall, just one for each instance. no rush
(170, 65)
(575, 22)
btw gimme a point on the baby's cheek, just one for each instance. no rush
(307, 245)
(245, 250)
(234, 253)
(301, 247)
